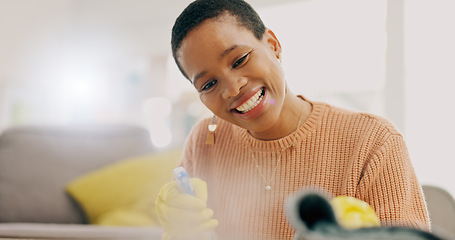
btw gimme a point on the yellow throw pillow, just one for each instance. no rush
(124, 193)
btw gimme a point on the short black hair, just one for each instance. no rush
(201, 10)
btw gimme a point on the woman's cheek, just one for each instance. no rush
(206, 101)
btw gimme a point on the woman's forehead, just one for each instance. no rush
(216, 33)
(205, 46)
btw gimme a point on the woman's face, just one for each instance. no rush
(238, 77)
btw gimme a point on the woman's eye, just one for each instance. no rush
(208, 85)
(241, 60)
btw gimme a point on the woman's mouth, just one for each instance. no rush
(252, 102)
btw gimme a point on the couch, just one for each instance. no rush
(86, 182)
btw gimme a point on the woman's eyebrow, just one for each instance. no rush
(222, 55)
(227, 51)
(199, 75)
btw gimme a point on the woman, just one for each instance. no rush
(265, 143)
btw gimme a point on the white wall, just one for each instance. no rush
(333, 50)
(430, 83)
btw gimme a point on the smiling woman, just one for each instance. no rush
(220, 64)
(269, 141)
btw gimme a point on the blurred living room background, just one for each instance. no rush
(105, 62)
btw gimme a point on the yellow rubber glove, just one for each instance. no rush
(353, 213)
(184, 216)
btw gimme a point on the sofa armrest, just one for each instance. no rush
(76, 231)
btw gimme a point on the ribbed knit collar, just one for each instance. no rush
(278, 144)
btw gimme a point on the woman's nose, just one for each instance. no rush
(233, 86)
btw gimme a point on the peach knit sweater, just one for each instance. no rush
(344, 152)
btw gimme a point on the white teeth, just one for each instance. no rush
(251, 103)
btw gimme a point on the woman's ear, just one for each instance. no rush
(272, 41)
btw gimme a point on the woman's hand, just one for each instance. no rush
(184, 216)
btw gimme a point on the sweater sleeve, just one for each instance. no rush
(389, 184)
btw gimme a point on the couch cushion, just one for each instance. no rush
(36, 163)
(124, 193)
